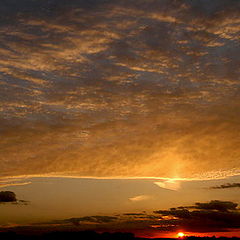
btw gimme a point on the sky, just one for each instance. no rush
(111, 107)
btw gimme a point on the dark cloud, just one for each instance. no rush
(134, 214)
(227, 185)
(213, 216)
(91, 219)
(205, 217)
(123, 223)
(10, 197)
(217, 205)
(7, 196)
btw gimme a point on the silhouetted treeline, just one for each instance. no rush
(211, 238)
(83, 235)
(90, 235)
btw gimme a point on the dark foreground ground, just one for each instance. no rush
(90, 235)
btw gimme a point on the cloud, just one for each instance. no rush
(87, 220)
(7, 196)
(6, 182)
(217, 205)
(10, 197)
(119, 89)
(227, 185)
(133, 214)
(13, 184)
(214, 216)
(140, 198)
(169, 184)
(122, 222)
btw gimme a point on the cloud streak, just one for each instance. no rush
(140, 198)
(227, 185)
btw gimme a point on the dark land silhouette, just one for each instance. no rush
(92, 235)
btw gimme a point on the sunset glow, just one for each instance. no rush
(180, 234)
(120, 116)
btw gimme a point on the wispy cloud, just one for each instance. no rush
(140, 198)
(19, 181)
(169, 184)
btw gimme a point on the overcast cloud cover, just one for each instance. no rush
(109, 88)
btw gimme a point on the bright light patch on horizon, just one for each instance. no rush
(180, 235)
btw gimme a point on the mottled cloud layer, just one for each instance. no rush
(120, 88)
